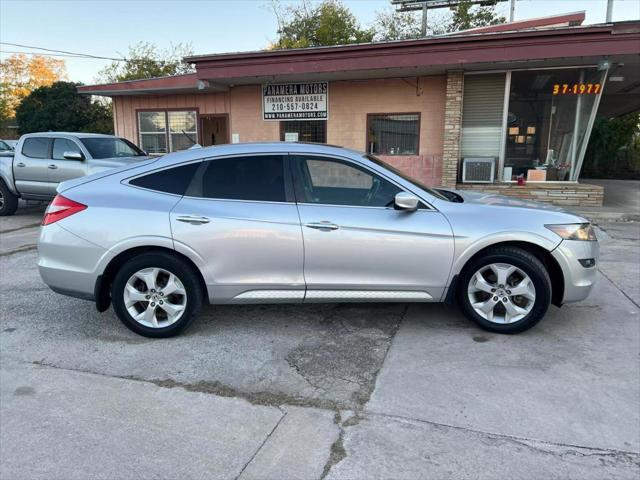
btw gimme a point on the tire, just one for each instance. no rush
(137, 276)
(8, 201)
(519, 312)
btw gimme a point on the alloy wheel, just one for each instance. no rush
(155, 297)
(501, 293)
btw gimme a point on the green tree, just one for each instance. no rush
(146, 60)
(391, 24)
(309, 25)
(466, 15)
(614, 148)
(59, 107)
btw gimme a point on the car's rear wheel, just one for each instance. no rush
(506, 290)
(156, 294)
(8, 201)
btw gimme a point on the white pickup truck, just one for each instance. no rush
(42, 160)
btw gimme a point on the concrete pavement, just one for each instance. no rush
(311, 391)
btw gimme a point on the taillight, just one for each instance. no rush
(60, 208)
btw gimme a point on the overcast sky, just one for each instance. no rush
(108, 27)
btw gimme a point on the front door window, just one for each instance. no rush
(335, 182)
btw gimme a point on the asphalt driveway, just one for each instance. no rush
(335, 391)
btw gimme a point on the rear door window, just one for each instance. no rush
(36, 147)
(172, 180)
(257, 178)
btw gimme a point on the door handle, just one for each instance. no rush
(20, 164)
(53, 166)
(193, 219)
(325, 226)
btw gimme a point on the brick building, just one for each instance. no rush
(487, 109)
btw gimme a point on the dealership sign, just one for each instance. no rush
(295, 101)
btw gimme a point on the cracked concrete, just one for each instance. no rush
(382, 447)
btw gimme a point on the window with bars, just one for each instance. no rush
(304, 131)
(393, 133)
(167, 131)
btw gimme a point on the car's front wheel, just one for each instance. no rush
(505, 290)
(156, 295)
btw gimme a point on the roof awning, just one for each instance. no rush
(529, 46)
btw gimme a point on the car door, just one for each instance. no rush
(240, 217)
(61, 167)
(356, 245)
(30, 167)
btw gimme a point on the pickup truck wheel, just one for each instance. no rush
(8, 201)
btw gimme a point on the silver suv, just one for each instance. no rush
(300, 223)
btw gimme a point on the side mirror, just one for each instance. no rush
(73, 156)
(406, 201)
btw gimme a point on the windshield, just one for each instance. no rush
(111, 147)
(406, 177)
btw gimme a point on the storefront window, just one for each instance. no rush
(548, 122)
(156, 138)
(182, 130)
(393, 133)
(304, 131)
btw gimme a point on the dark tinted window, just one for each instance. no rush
(245, 178)
(172, 180)
(62, 145)
(36, 147)
(110, 147)
(333, 182)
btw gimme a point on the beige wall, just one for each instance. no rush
(349, 104)
(246, 116)
(125, 118)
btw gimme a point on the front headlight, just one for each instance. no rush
(574, 231)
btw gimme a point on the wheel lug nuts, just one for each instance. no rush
(495, 299)
(493, 290)
(153, 304)
(504, 300)
(508, 292)
(147, 297)
(161, 302)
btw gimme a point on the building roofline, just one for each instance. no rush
(185, 81)
(451, 37)
(445, 52)
(571, 19)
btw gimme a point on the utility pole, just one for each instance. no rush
(609, 10)
(425, 9)
(512, 11)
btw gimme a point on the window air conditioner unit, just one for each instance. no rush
(478, 169)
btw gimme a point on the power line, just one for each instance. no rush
(64, 52)
(50, 54)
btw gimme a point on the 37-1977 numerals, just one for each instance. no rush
(576, 88)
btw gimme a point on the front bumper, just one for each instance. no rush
(67, 263)
(578, 280)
